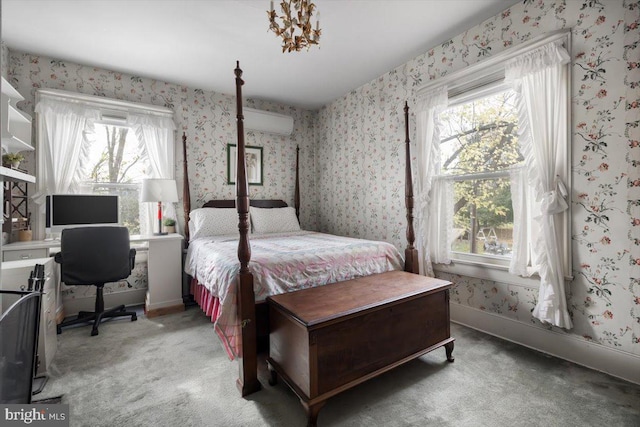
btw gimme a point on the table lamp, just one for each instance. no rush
(159, 190)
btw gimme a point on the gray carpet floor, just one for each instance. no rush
(172, 371)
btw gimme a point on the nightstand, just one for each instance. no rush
(164, 272)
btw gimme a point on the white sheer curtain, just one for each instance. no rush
(521, 261)
(432, 237)
(439, 231)
(540, 79)
(156, 138)
(65, 150)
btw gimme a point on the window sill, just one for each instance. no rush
(481, 270)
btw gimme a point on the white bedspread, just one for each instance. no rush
(281, 263)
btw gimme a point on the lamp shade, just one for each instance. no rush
(159, 190)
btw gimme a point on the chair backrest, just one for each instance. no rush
(18, 335)
(94, 255)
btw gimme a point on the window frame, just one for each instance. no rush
(459, 99)
(112, 112)
(477, 80)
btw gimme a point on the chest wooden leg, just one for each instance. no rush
(448, 347)
(312, 412)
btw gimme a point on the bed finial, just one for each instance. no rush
(238, 70)
(411, 262)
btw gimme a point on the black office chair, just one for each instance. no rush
(95, 256)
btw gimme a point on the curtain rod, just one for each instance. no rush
(103, 102)
(493, 63)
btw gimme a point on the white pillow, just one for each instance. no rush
(205, 222)
(274, 220)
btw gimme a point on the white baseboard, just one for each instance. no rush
(133, 297)
(163, 304)
(609, 360)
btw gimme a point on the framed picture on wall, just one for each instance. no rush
(253, 156)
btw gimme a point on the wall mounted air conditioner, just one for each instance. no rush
(265, 121)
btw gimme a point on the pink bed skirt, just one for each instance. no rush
(207, 302)
(212, 308)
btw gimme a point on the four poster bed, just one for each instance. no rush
(281, 262)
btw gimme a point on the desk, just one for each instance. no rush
(164, 293)
(29, 250)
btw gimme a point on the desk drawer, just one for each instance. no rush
(24, 254)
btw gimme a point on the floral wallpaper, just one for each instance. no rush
(4, 59)
(137, 281)
(360, 167)
(207, 119)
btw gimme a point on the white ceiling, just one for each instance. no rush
(197, 42)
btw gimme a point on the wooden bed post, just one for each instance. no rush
(296, 194)
(186, 197)
(411, 261)
(248, 380)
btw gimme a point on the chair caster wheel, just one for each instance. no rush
(94, 332)
(134, 318)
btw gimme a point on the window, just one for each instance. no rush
(485, 201)
(478, 148)
(480, 195)
(89, 144)
(116, 165)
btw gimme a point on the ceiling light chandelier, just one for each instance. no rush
(296, 18)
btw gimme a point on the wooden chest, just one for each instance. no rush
(327, 339)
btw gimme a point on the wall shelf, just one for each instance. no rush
(16, 125)
(9, 174)
(15, 136)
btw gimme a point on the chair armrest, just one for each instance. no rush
(58, 258)
(132, 258)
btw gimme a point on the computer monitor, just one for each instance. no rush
(80, 210)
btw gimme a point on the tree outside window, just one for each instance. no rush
(116, 166)
(478, 147)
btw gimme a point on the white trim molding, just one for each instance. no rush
(491, 68)
(496, 273)
(109, 105)
(569, 347)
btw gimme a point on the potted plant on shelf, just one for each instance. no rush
(12, 160)
(169, 225)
